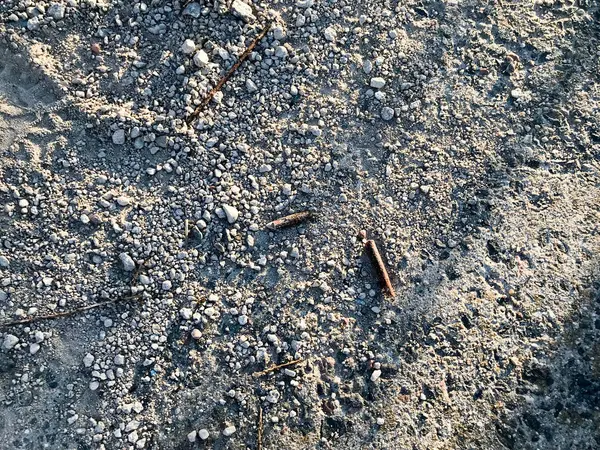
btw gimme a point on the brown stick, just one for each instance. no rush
(192, 117)
(260, 428)
(274, 368)
(66, 313)
(384, 279)
(291, 220)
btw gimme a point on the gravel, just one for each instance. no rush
(461, 137)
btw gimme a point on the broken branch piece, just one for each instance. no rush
(68, 313)
(274, 368)
(377, 261)
(291, 220)
(192, 117)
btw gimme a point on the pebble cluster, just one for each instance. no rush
(418, 122)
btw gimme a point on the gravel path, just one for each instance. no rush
(161, 309)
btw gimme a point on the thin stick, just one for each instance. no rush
(192, 117)
(67, 313)
(274, 368)
(384, 279)
(291, 220)
(260, 428)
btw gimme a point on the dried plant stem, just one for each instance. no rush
(377, 261)
(67, 313)
(291, 220)
(192, 117)
(277, 367)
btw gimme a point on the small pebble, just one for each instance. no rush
(229, 431)
(10, 340)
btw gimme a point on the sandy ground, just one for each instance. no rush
(462, 136)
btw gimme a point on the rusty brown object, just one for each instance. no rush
(377, 261)
(68, 313)
(192, 117)
(277, 367)
(291, 220)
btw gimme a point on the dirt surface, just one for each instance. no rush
(462, 136)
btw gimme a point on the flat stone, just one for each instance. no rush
(10, 340)
(387, 113)
(128, 263)
(188, 47)
(193, 10)
(377, 82)
(56, 11)
(375, 375)
(330, 34)
(118, 137)
(203, 434)
(231, 213)
(201, 58)
(229, 431)
(88, 360)
(243, 10)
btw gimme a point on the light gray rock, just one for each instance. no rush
(201, 58)
(203, 434)
(243, 10)
(231, 213)
(128, 263)
(387, 113)
(57, 11)
(377, 82)
(118, 137)
(10, 340)
(229, 431)
(188, 47)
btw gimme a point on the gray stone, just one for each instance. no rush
(231, 213)
(56, 11)
(128, 263)
(10, 340)
(377, 82)
(387, 113)
(243, 10)
(118, 137)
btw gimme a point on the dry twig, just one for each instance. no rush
(277, 367)
(192, 117)
(291, 220)
(384, 279)
(67, 313)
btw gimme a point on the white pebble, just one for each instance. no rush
(330, 34)
(229, 431)
(188, 47)
(118, 137)
(203, 434)
(201, 58)
(387, 113)
(128, 264)
(88, 360)
(377, 82)
(231, 212)
(10, 340)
